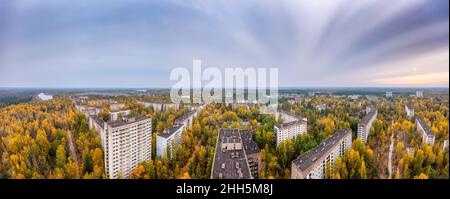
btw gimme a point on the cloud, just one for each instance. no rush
(314, 43)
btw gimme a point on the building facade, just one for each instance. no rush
(388, 93)
(313, 163)
(424, 130)
(419, 93)
(168, 140)
(187, 119)
(252, 152)
(291, 127)
(115, 115)
(409, 109)
(125, 143)
(365, 124)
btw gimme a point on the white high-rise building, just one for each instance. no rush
(170, 137)
(125, 143)
(366, 123)
(409, 109)
(291, 127)
(313, 163)
(115, 115)
(388, 93)
(187, 119)
(419, 93)
(425, 131)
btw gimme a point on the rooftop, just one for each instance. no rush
(185, 116)
(97, 120)
(289, 124)
(308, 158)
(369, 116)
(127, 121)
(170, 131)
(229, 164)
(425, 126)
(250, 145)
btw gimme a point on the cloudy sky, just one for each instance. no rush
(134, 43)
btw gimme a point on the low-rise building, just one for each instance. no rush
(366, 123)
(424, 130)
(313, 163)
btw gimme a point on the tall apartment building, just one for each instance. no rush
(291, 127)
(251, 151)
(388, 93)
(423, 129)
(313, 163)
(366, 123)
(187, 119)
(125, 143)
(419, 93)
(160, 106)
(169, 139)
(115, 115)
(236, 155)
(409, 109)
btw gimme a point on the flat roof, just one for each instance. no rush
(308, 158)
(229, 163)
(98, 120)
(285, 125)
(250, 145)
(185, 116)
(170, 131)
(119, 111)
(127, 121)
(369, 116)
(425, 126)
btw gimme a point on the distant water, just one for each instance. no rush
(43, 96)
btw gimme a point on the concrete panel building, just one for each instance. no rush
(409, 109)
(187, 119)
(168, 140)
(313, 163)
(125, 143)
(252, 152)
(424, 130)
(291, 127)
(366, 123)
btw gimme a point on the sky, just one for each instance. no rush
(136, 43)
